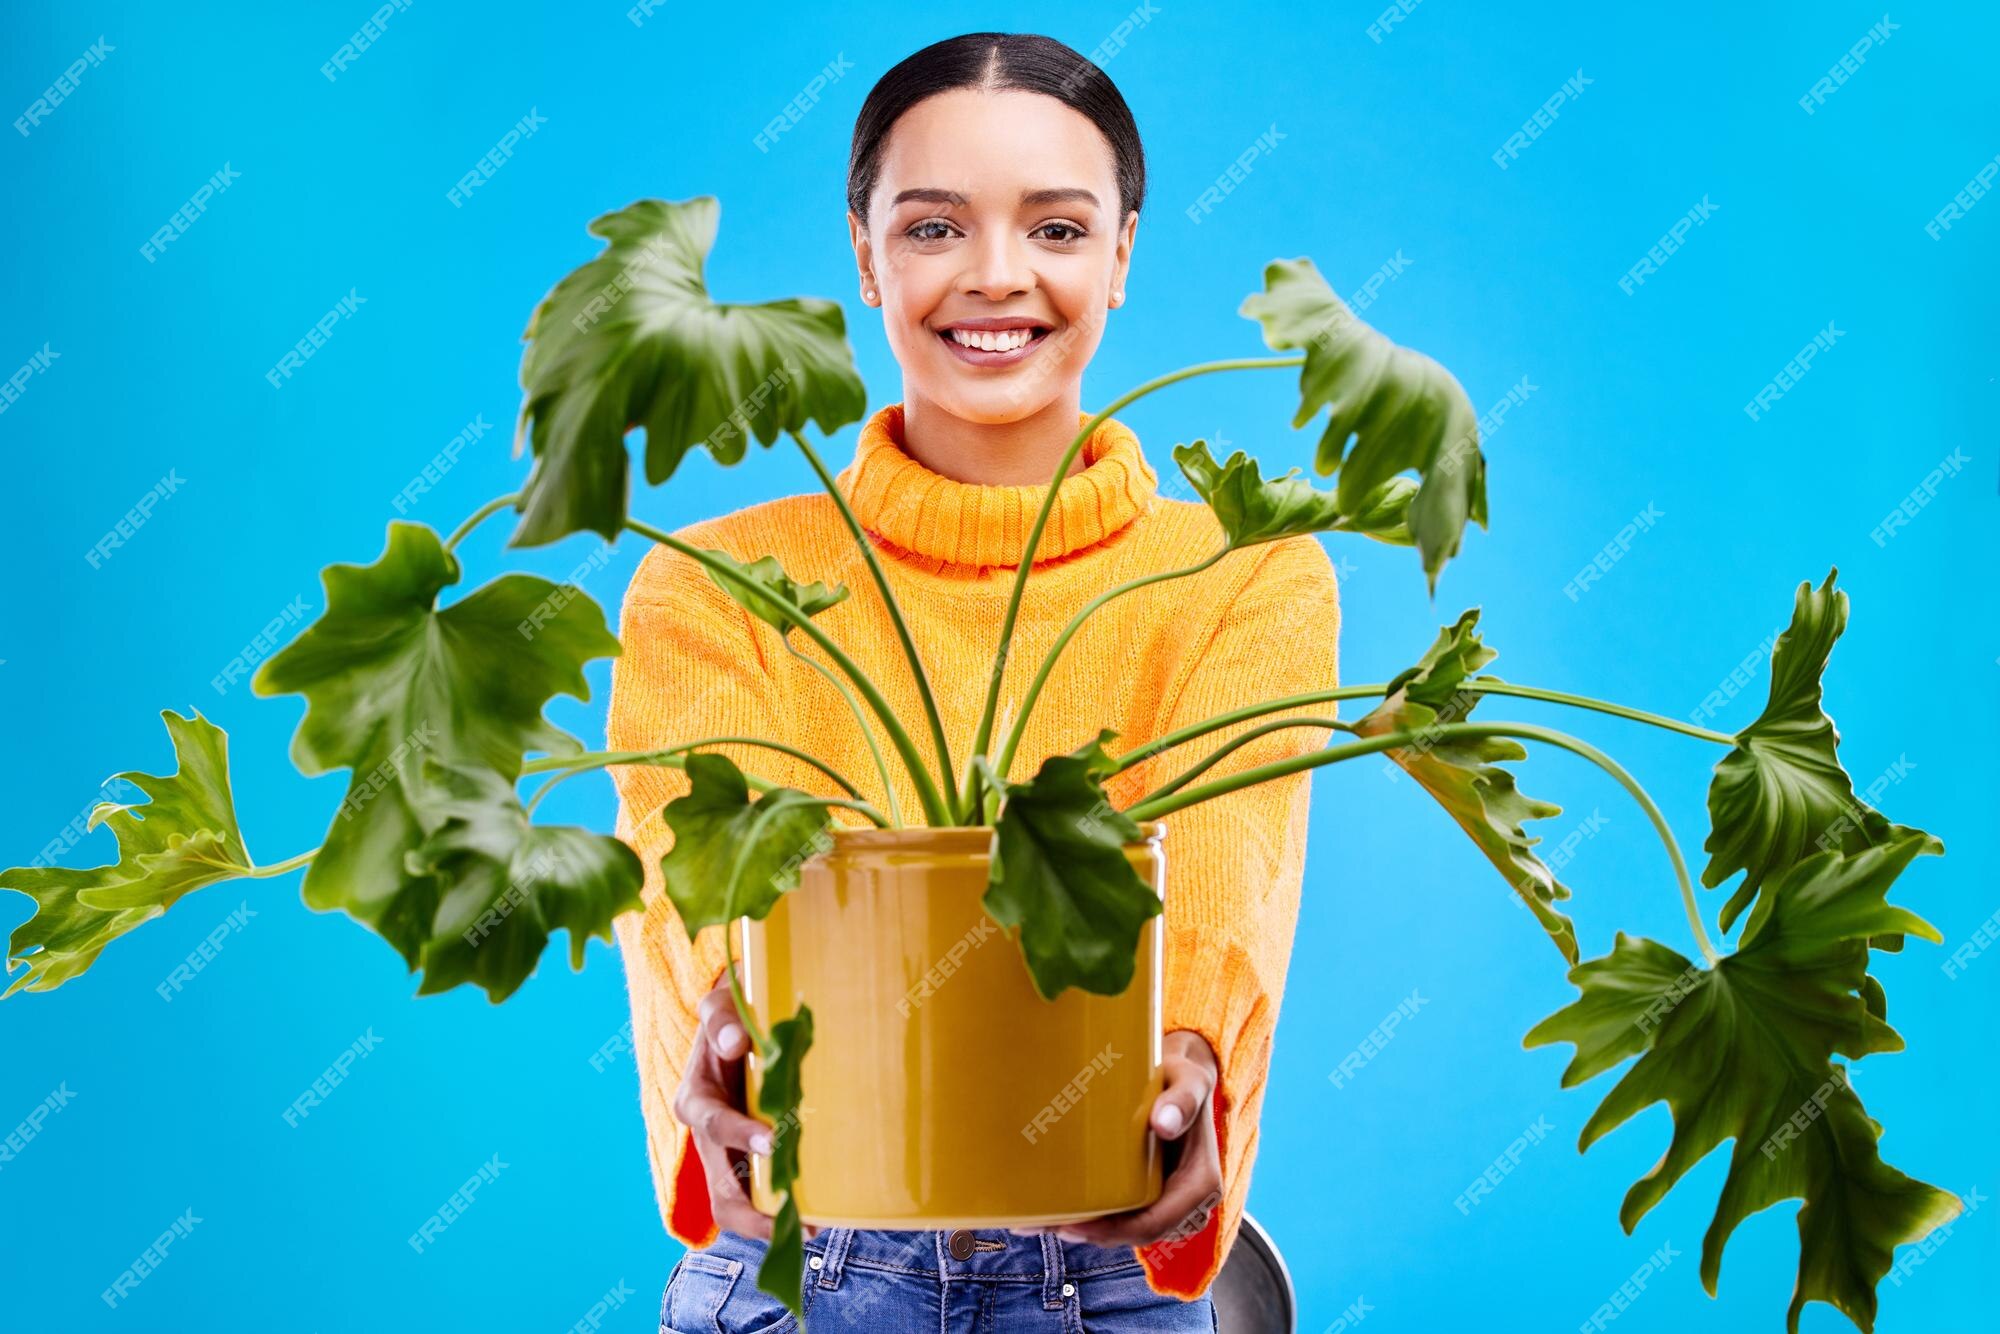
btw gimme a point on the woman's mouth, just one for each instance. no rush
(993, 347)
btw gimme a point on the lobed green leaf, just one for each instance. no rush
(779, 1095)
(505, 884)
(770, 577)
(1402, 411)
(1253, 510)
(732, 856)
(1465, 777)
(1781, 795)
(183, 837)
(1743, 1051)
(393, 682)
(633, 339)
(1060, 873)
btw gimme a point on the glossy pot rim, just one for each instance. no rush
(948, 839)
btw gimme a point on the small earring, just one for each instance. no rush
(867, 294)
(1117, 298)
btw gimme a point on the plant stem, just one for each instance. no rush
(479, 516)
(1488, 686)
(598, 759)
(758, 1037)
(987, 795)
(860, 721)
(1006, 758)
(1477, 685)
(1034, 539)
(1155, 808)
(1182, 735)
(935, 812)
(280, 868)
(1222, 752)
(923, 680)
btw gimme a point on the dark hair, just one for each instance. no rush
(992, 61)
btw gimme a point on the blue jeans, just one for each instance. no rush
(875, 1281)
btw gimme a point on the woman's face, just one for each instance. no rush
(995, 214)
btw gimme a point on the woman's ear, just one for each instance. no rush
(1122, 261)
(864, 257)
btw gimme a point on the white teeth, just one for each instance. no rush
(990, 341)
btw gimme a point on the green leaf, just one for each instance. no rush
(1404, 412)
(783, 1272)
(1465, 776)
(1253, 510)
(1385, 513)
(182, 838)
(504, 884)
(1743, 1051)
(1781, 795)
(391, 680)
(633, 339)
(1059, 871)
(727, 845)
(767, 574)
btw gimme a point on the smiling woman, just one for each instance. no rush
(994, 194)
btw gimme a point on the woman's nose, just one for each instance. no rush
(998, 270)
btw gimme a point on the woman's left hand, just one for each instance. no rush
(1193, 1188)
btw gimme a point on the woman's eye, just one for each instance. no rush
(923, 231)
(1074, 233)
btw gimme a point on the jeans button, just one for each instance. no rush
(959, 1244)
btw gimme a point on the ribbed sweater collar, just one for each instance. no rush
(968, 523)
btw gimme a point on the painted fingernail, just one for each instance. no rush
(730, 1038)
(1169, 1120)
(760, 1142)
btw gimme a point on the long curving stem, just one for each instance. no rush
(1034, 539)
(860, 721)
(598, 759)
(1180, 736)
(916, 661)
(1006, 757)
(280, 868)
(1489, 686)
(1154, 808)
(1478, 685)
(479, 516)
(672, 757)
(1222, 752)
(935, 811)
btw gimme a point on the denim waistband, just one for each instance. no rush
(996, 1254)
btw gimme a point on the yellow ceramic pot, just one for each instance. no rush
(941, 1090)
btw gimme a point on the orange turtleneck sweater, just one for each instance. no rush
(1259, 624)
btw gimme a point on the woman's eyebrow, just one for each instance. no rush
(1056, 195)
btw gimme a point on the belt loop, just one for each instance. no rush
(1052, 1272)
(838, 1239)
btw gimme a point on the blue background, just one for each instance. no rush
(1387, 150)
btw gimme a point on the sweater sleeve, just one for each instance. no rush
(1234, 864)
(692, 667)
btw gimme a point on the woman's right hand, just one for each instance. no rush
(710, 1103)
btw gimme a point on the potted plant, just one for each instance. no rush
(928, 1038)
(435, 709)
